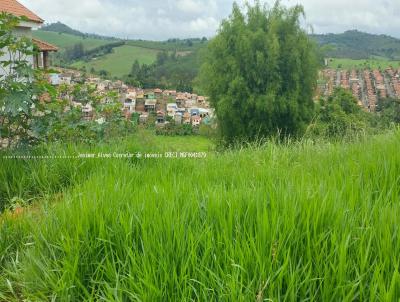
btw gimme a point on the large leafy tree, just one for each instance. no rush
(260, 73)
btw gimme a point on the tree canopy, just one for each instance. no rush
(260, 73)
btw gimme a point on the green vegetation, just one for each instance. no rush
(362, 64)
(170, 70)
(389, 111)
(64, 41)
(282, 220)
(19, 101)
(119, 62)
(265, 82)
(302, 221)
(358, 45)
(340, 116)
(171, 44)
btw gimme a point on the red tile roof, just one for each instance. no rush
(17, 9)
(43, 46)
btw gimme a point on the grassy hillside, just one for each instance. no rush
(282, 223)
(358, 45)
(370, 63)
(120, 61)
(63, 40)
(170, 45)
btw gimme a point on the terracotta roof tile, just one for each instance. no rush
(17, 9)
(43, 46)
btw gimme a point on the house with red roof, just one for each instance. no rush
(24, 29)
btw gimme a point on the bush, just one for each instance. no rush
(260, 73)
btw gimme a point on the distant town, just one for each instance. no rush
(367, 85)
(166, 105)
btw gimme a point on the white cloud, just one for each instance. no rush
(162, 19)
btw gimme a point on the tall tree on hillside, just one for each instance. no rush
(260, 73)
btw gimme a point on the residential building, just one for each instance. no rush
(196, 120)
(24, 29)
(150, 105)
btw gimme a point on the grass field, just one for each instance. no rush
(67, 40)
(358, 64)
(168, 46)
(120, 62)
(297, 222)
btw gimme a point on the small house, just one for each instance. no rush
(149, 95)
(172, 109)
(158, 93)
(87, 111)
(178, 118)
(201, 100)
(203, 112)
(186, 118)
(24, 29)
(150, 105)
(130, 105)
(196, 120)
(194, 111)
(160, 117)
(180, 100)
(143, 118)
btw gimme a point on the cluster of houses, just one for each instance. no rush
(167, 105)
(395, 80)
(366, 85)
(164, 105)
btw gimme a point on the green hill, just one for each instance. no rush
(351, 49)
(63, 40)
(119, 62)
(359, 45)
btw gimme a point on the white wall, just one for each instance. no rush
(20, 32)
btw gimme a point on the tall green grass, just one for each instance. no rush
(298, 222)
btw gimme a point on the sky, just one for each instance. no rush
(164, 19)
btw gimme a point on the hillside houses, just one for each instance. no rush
(367, 86)
(165, 105)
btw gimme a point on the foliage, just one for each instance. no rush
(357, 45)
(340, 116)
(74, 52)
(68, 123)
(170, 71)
(22, 89)
(260, 73)
(297, 222)
(389, 111)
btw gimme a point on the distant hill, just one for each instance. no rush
(66, 40)
(116, 56)
(357, 45)
(62, 28)
(59, 27)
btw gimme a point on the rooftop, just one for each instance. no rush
(17, 9)
(43, 46)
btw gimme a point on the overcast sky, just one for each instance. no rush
(163, 19)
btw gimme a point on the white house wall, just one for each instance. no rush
(20, 32)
